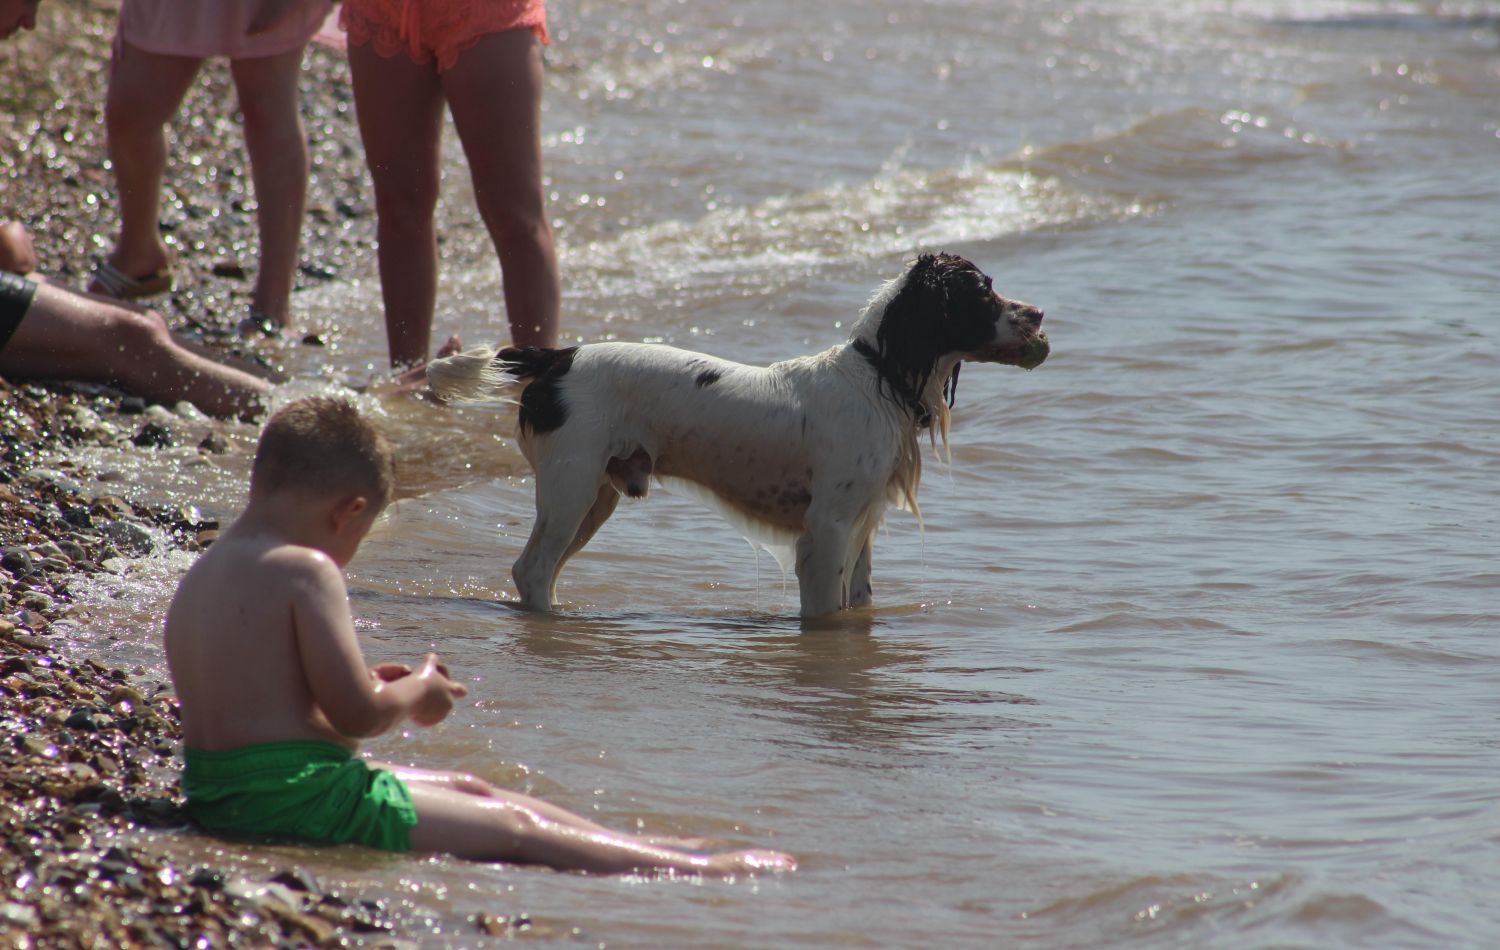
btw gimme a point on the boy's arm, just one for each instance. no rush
(341, 685)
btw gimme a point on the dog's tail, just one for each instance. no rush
(474, 375)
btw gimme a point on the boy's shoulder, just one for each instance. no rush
(264, 558)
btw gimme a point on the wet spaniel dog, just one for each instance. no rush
(802, 455)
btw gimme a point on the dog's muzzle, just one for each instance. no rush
(1027, 348)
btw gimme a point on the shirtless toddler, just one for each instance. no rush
(275, 692)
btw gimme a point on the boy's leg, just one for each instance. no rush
(495, 94)
(400, 108)
(458, 781)
(145, 90)
(495, 829)
(68, 335)
(277, 144)
(473, 785)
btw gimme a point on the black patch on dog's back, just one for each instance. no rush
(542, 408)
(708, 377)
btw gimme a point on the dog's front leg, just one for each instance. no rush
(861, 593)
(821, 555)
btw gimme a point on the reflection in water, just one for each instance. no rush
(835, 684)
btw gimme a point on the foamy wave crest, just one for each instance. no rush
(896, 213)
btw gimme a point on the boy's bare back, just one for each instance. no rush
(239, 632)
(259, 638)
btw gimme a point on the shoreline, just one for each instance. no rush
(90, 770)
(92, 749)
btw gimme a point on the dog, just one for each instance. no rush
(804, 454)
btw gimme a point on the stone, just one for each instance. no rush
(154, 435)
(214, 444)
(129, 537)
(17, 561)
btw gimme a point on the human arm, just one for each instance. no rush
(17, 253)
(357, 700)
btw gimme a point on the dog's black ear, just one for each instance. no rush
(912, 336)
(912, 330)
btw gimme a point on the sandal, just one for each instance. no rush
(259, 323)
(110, 281)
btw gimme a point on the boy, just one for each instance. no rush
(274, 690)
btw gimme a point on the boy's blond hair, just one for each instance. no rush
(323, 445)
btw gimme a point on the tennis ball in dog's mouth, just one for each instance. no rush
(1035, 350)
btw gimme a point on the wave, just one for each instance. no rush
(895, 213)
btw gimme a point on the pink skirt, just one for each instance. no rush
(238, 29)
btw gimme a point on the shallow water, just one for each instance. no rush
(1197, 647)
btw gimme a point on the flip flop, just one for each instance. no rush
(109, 281)
(259, 324)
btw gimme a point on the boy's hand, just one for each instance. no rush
(389, 672)
(439, 694)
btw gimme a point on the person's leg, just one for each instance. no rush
(506, 828)
(458, 781)
(68, 335)
(400, 109)
(469, 784)
(495, 94)
(277, 144)
(145, 90)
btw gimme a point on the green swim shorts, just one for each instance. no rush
(316, 791)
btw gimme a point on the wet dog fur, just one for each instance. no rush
(806, 453)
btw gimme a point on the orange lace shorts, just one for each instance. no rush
(424, 29)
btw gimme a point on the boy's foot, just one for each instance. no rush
(750, 862)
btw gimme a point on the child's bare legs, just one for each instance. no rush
(502, 828)
(400, 108)
(473, 785)
(77, 336)
(277, 144)
(145, 90)
(467, 817)
(495, 94)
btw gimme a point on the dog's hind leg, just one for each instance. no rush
(604, 506)
(570, 507)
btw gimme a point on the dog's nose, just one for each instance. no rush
(1031, 316)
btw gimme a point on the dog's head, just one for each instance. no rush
(941, 312)
(945, 305)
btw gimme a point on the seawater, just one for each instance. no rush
(1198, 646)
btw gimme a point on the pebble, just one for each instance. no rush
(154, 435)
(129, 537)
(214, 444)
(114, 565)
(17, 561)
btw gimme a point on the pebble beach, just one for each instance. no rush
(88, 772)
(1193, 648)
